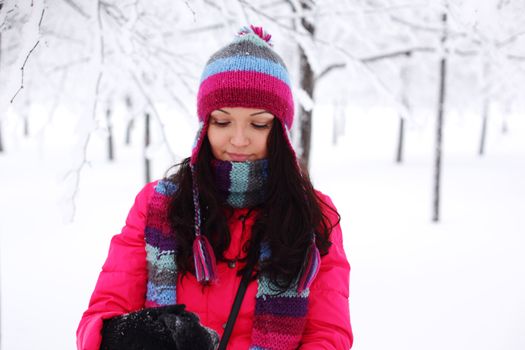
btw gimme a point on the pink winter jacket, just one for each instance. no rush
(121, 287)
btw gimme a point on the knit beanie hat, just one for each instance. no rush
(245, 73)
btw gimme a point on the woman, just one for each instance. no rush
(239, 205)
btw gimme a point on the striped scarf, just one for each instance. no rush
(241, 184)
(279, 316)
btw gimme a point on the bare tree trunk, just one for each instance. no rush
(26, 125)
(129, 129)
(110, 135)
(504, 125)
(486, 106)
(336, 129)
(335, 134)
(404, 101)
(400, 139)
(305, 117)
(439, 125)
(131, 122)
(147, 138)
(1, 141)
(307, 83)
(25, 113)
(1, 151)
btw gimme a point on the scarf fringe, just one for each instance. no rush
(204, 259)
(310, 268)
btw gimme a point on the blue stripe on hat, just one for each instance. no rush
(246, 63)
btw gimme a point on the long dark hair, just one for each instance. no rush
(285, 221)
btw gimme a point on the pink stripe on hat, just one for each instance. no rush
(237, 89)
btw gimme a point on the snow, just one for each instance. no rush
(419, 285)
(454, 285)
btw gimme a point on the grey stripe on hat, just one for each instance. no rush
(241, 47)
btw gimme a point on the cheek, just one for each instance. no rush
(262, 144)
(216, 140)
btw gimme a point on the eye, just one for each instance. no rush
(220, 123)
(260, 126)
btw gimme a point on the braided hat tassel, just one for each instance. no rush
(203, 256)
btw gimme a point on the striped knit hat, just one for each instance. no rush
(246, 73)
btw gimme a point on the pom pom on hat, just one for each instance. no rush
(259, 31)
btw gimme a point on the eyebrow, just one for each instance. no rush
(256, 113)
(262, 112)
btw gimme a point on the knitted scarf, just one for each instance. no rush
(279, 317)
(241, 184)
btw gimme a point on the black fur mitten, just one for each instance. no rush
(160, 328)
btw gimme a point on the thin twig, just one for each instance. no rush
(69, 64)
(155, 114)
(77, 8)
(192, 10)
(212, 4)
(377, 57)
(510, 39)
(101, 35)
(22, 70)
(114, 12)
(83, 161)
(393, 54)
(62, 36)
(41, 18)
(271, 4)
(207, 28)
(340, 13)
(178, 100)
(466, 53)
(417, 26)
(329, 69)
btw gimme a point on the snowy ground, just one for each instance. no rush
(415, 285)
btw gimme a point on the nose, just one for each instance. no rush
(240, 137)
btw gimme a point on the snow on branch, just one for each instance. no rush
(405, 52)
(377, 57)
(346, 13)
(516, 57)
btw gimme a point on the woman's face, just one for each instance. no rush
(239, 134)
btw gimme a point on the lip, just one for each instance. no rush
(238, 157)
